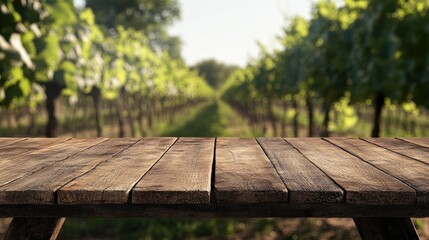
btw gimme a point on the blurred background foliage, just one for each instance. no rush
(362, 52)
(359, 68)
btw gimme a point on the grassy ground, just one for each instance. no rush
(213, 120)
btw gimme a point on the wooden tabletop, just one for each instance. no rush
(214, 176)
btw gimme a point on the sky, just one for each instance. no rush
(227, 30)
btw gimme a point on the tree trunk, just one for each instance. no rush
(326, 120)
(87, 115)
(120, 116)
(271, 117)
(310, 111)
(398, 115)
(74, 120)
(96, 94)
(32, 123)
(295, 118)
(17, 118)
(378, 108)
(284, 119)
(388, 122)
(112, 114)
(404, 120)
(140, 117)
(8, 119)
(150, 113)
(413, 127)
(52, 91)
(129, 116)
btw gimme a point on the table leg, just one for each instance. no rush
(34, 228)
(386, 228)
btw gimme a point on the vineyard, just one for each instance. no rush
(344, 60)
(328, 74)
(54, 54)
(360, 68)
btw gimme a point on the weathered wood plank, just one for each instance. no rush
(363, 183)
(304, 181)
(40, 186)
(112, 180)
(21, 148)
(402, 147)
(35, 160)
(42, 228)
(244, 174)
(422, 141)
(409, 171)
(4, 141)
(181, 176)
(386, 228)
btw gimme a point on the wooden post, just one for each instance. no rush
(34, 228)
(386, 228)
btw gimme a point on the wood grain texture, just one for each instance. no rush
(409, 171)
(402, 147)
(244, 174)
(386, 228)
(25, 165)
(21, 148)
(363, 183)
(4, 141)
(422, 141)
(304, 181)
(181, 176)
(112, 180)
(42, 228)
(40, 186)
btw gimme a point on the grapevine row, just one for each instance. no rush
(49, 50)
(361, 51)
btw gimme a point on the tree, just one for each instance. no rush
(264, 80)
(293, 69)
(20, 26)
(57, 50)
(329, 67)
(150, 16)
(144, 15)
(215, 73)
(375, 74)
(414, 48)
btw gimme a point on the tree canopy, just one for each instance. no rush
(149, 16)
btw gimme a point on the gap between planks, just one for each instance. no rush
(420, 141)
(407, 170)
(363, 183)
(111, 181)
(35, 181)
(305, 182)
(182, 176)
(244, 174)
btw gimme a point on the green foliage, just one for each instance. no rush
(18, 30)
(149, 16)
(215, 73)
(51, 46)
(362, 50)
(145, 15)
